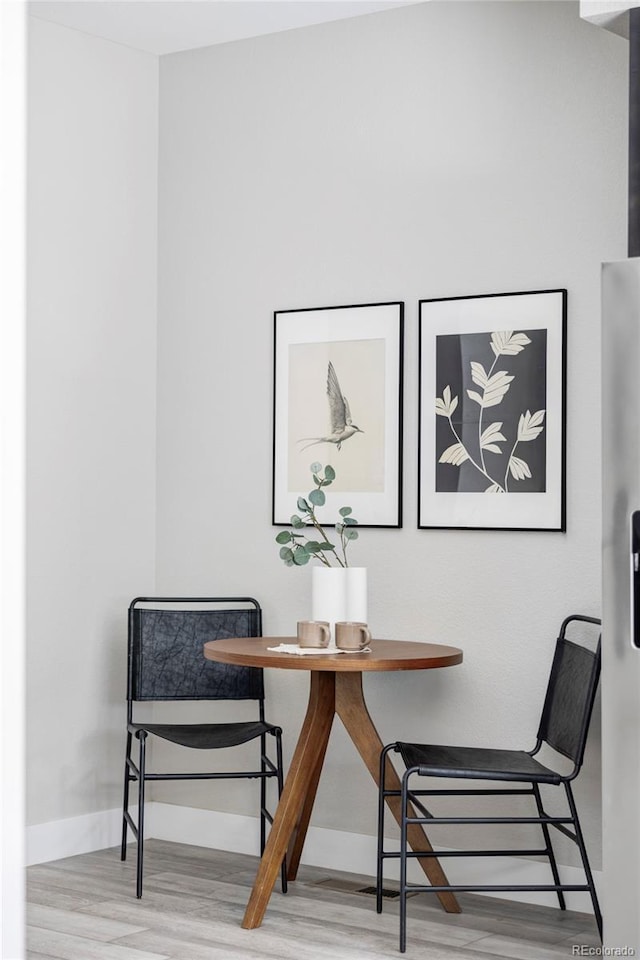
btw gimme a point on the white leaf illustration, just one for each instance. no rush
(492, 434)
(508, 343)
(455, 454)
(445, 406)
(494, 488)
(496, 388)
(491, 437)
(495, 400)
(530, 425)
(479, 374)
(518, 468)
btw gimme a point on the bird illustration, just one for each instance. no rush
(342, 426)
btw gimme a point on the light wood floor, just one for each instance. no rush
(84, 908)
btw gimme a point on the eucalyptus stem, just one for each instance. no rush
(293, 552)
(321, 556)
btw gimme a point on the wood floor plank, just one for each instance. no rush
(351, 913)
(490, 916)
(79, 924)
(506, 947)
(180, 949)
(585, 937)
(278, 937)
(84, 908)
(49, 896)
(41, 956)
(81, 883)
(165, 912)
(64, 946)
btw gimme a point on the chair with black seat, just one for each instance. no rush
(563, 727)
(166, 662)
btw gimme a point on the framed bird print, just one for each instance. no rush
(337, 401)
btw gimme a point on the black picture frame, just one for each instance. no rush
(322, 356)
(492, 411)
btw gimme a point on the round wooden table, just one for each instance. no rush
(336, 688)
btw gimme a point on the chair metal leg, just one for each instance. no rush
(549, 848)
(140, 851)
(381, 811)
(284, 884)
(583, 854)
(125, 801)
(263, 792)
(403, 864)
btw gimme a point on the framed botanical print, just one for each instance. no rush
(492, 411)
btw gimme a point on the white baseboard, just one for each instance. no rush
(329, 849)
(67, 838)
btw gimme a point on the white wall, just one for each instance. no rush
(92, 229)
(13, 145)
(434, 150)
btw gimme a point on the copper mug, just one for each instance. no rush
(352, 635)
(313, 633)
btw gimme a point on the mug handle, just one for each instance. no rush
(326, 635)
(366, 637)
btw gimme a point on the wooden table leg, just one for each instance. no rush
(296, 844)
(312, 744)
(352, 710)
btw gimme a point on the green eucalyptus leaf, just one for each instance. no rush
(296, 549)
(317, 498)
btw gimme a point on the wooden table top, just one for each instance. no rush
(385, 655)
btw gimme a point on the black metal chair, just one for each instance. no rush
(166, 662)
(564, 725)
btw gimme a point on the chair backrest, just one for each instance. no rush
(165, 656)
(570, 696)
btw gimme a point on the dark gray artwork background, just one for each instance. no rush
(528, 391)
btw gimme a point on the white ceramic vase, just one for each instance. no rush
(338, 593)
